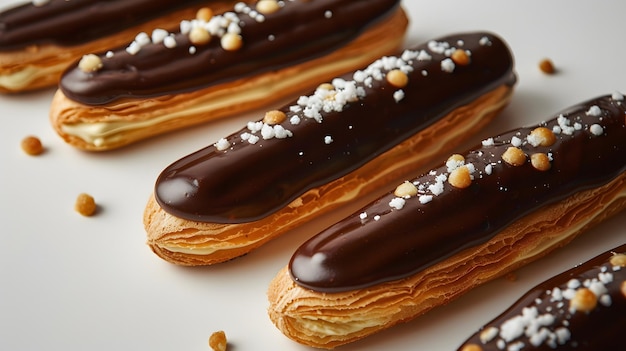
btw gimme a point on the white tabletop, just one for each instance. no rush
(69, 282)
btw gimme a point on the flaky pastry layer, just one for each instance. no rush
(187, 242)
(99, 128)
(41, 66)
(328, 320)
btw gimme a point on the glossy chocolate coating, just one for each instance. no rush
(299, 31)
(73, 22)
(399, 243)
(248, 182)
(600, 329)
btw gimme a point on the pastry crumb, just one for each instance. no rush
(85, 204)
(546, 66)
(32, 145)
(217, 341)
(511, 276)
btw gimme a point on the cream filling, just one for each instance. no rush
(22, 78)
(102, 133)
(205, 250)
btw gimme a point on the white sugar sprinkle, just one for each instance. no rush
(222, 144)
(447, 65)
(398, 95)
(397, 203)
(133, 48)
(169, 42)
(488, 142)
(424, 199)
(617, 96)
(596, 129)
(594, 111)
(158, 35)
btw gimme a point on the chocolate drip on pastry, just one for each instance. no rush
(582, 309)
(296, 31)
(326, 135)
(73, 22)
(469, 200)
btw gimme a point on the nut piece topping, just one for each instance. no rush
(231, 42)
(460, 177)
(90, 63)
(540, 161)
(584, 300)
(514, 156)
(199, 36)
(217, 341)
(85, 204)
(460, 57)
(397, 78)
(267, 6)
(456, 158)
(326, 86)
(204, 14)
(406, 190)
(618, 260)
(542, 136)
(32, 145)
(546, 66)
(274, 117)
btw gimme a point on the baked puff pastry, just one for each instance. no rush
(351, 137)
(40, 39)
(508, 201)
(219, 64)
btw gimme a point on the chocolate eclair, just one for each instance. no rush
(350, 137)
(219, 64)
(510, 200)
(39, 39)
(583, 309)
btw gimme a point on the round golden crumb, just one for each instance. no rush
(199, 36)
(514, 156)
(397, 78)
(540, 161)
(90, 63)
(546, 66)
(267, 6)
(584, 300)
(460, 57)
(231, 42)
(85, 204)
(460, 178)
(217, 341)
(204, 14)
(32, 145)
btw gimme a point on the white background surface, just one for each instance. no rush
(69, 282)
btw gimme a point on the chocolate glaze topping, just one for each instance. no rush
(547, 316)
(397, 236)
(73, 22)
(328, 134)
(299, 31)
